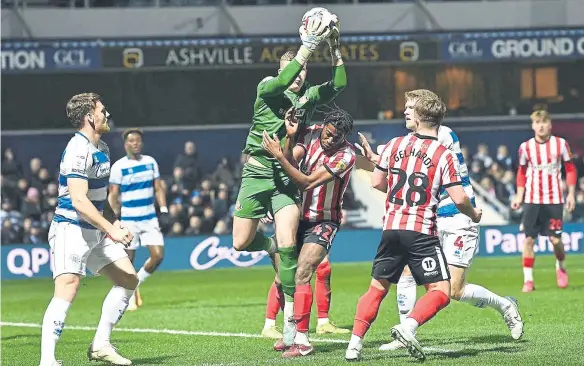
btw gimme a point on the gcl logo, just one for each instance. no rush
(71, 58)
(465, 49)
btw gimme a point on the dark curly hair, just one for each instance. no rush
(342, 121)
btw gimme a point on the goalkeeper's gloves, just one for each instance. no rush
(334, 39)
(312, 41)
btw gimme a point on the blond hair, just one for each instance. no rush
(420, 93)
(428, 106)
(288, 56)
(541, 113)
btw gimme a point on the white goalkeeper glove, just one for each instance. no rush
(312, 41)
(334, 39)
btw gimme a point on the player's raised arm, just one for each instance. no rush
(278, 85)
(450, 180)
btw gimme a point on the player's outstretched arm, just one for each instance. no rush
(278, 85)
(321, 176)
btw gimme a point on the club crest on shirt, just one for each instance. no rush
(341, 165)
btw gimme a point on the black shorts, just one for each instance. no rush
(321, 233)
(545, 220)
(421, 252)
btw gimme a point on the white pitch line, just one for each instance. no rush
(163, 331)
(188, 332)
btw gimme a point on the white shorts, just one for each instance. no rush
(74, 249)
(459, 237)
(145, 233)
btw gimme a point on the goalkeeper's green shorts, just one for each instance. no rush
(263, 189)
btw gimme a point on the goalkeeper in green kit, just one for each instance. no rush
(264, 185)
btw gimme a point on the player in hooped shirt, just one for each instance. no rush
(134, 184)
(539, 187)
(326, 160)
(459, 237)
(412, 170)
(77, 236)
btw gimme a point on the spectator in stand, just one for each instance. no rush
(31, 207)
(503, 158)
(209, 221)
(221, 204)
(177, 185)
(9, 233)
(482, 155)
(11, 169)
(194, 226)
(221, 228)
(224, 173)
(190, 165)
(35, 234)
(35, 166)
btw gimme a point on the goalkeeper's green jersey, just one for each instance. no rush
(274, 99)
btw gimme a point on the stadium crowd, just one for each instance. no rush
(199, 202)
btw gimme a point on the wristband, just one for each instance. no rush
(336, 53)
(163, 209)
(303, 54)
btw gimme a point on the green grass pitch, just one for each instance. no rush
(214, 318)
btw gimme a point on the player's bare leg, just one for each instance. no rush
(125, 279)
(286, 220)
(310, 257)
(151, 264)
(247, 238)
(560, 253)
(528, 262)
(323, 299)
(66, 287)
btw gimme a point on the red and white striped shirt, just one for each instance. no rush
(417, 167)
(325, 202)
(544, 169)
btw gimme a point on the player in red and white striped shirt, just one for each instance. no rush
(326, 160)
(411, 170)
(539, 186)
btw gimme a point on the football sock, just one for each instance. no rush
(259, 243)
(406, 296)
(323, 289)
(426, 307)
(367, 310)
(288, 264)
(302, 305)
(113, 309)
(53, 324)
(480, 297)
(275, 301)
(528, 269)
(142, 276)
(560, 257)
